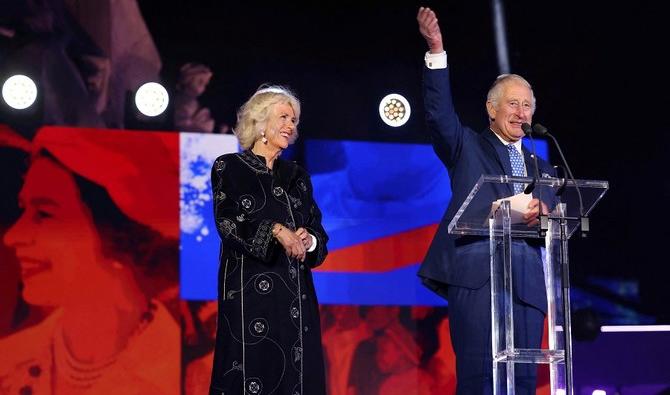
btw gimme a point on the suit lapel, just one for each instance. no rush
(544, 192)
(530, 163)
(498, 152)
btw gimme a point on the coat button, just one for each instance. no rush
(264, 285)
(254, 387)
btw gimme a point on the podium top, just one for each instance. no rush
(565, 199)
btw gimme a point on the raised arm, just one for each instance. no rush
(443, 123)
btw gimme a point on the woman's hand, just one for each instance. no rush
(306, 238)
(292, 243)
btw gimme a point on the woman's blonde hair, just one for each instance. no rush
(253, 115)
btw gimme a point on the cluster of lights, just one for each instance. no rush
(20, 92)
(394, 110)
(151, 99)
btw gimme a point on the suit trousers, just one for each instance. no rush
(470, 330)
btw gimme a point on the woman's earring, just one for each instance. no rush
(263, 139)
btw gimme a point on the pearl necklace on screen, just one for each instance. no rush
(82, 374)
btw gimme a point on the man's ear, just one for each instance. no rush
(490, 109)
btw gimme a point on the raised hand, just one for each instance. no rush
(430, 29)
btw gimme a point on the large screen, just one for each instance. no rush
(110, 254)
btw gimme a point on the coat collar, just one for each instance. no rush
(502, 156)
(256, 162)
(530, 162)
(500, 150)
(283, 171)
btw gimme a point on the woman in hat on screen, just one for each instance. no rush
(96, 243)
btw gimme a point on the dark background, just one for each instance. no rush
(595, 69)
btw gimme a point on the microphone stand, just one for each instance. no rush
(544, 219)
(565, 267)
(561, 173)
(584, 220)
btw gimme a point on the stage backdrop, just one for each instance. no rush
(109, 250)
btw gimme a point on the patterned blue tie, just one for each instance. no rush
(516, 160)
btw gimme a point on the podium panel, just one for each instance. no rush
(568, 203)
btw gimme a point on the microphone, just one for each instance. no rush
(540, 130)
(544, 220)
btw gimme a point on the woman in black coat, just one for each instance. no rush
(268, 339)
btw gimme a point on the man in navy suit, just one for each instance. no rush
(457, 268)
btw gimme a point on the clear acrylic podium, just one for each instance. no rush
(569, 203)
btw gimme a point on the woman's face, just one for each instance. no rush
(55, 239)
(281, 126)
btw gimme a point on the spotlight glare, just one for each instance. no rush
(599, 392)
(19, 92)
(151, 99)
(394, 110)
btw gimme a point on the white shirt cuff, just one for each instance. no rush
(313, 247)
(436, 60)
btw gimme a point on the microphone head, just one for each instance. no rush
(526, 128)
(539, 129)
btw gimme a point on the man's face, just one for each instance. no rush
(514, 108)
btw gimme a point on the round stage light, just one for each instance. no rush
(19, 92)
(394, 110)
(151, 99)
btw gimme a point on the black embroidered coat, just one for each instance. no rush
(268, 339)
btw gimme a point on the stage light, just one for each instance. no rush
(19, 92)
(635, 328)
(151, 99)
(598, 392)
(394, 110)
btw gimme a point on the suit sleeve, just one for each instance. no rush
(252, 236)
(314, 227)
(444, 126)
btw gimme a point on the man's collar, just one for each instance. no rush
(517, 144)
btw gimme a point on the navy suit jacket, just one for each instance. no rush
(464, 261)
